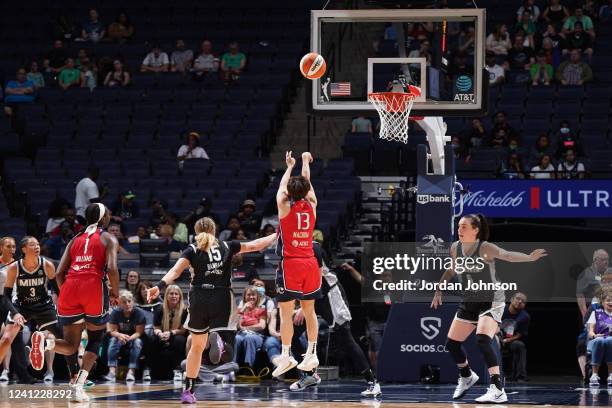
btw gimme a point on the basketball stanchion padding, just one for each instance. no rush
(394, 111)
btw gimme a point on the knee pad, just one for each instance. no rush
(94, 338)
(486, 348)
(455, 348)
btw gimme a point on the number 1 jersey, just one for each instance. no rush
(295, 231)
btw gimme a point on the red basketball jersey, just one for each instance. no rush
(295, 231)
(88, 255)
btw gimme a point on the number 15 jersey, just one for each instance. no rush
(295, 231)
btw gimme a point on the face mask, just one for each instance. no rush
(565, 130)
(262, 291)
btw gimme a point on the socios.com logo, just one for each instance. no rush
(430, 327)
(464, 83)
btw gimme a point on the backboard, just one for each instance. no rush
(440, 51)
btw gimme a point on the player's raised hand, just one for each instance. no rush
(289, 159)
(152, 293)
(537, 254)
(306, 156)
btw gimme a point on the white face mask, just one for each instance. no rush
(564, 130)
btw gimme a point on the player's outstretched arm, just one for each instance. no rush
(173, 274)
(258, 244)
(281, 195)
(306, 160)
(62, 268)
(492, 251)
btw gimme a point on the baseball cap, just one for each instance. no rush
(129, 195)
(248, 202)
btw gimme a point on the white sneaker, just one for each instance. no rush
(4, 376)
(48, 376)
(464, 384)
(609, 380)
(493, 395)
(178, 376)
(309, 363)
(80, 395)
(373, 390)
(146, 375)
(594, 380)
(110, 377)
(130, 376)
(285, 363)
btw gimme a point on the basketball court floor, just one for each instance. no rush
(340, 394)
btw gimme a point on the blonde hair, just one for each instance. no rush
(251, 288)
(168, 325)
(126, 295)
(205, 229)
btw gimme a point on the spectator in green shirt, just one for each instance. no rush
(587, 23)
(232, 63)
(528, 27)
(69, 76)
(541, 72)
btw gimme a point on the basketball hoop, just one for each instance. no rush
(394, 110)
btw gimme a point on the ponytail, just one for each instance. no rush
(205, 229)
(483, 229)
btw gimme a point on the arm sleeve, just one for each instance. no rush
(92, 191)
(164, 58)
(188, 254)
(142, 317)
(234, 247)
(114, 317)
(147, 60)
(181, 151)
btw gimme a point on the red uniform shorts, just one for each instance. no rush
(298, 278)
(83, 298)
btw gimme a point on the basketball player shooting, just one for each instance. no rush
(297, 276)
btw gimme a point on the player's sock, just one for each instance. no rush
(73, 364)
(496, 380)
(368, 374)
(189, 384)
(312, 347)
(465, 371)
(81, 377)
(286, 351)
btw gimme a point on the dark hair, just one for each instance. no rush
(137, 283)
(298, 187)
(137, 296)
(24, 241)
(480, 221)
(92, 213)
(542, 158)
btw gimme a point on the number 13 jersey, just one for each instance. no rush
(295, 231)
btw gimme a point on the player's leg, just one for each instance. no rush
(462, 326)
(485, 333)
(286, 361)
(312, 290)
(192, 369)
(10, 332)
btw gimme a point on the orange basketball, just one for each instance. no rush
(312, 65)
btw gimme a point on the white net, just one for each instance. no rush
(394, 110)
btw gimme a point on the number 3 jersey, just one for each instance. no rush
(213, 267)
(295, 231)
(32, 286)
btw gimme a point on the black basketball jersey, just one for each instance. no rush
(32, 285)
(475, 273)
(213, 267)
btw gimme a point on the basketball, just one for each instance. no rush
(312, 65)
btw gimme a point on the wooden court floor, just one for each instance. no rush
(343, 394)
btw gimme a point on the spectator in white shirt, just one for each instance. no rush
(544, 170)
(206, 61)
(155, 61)
(87, 192)
(570, 168)
(497, 74)
(191, 150)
